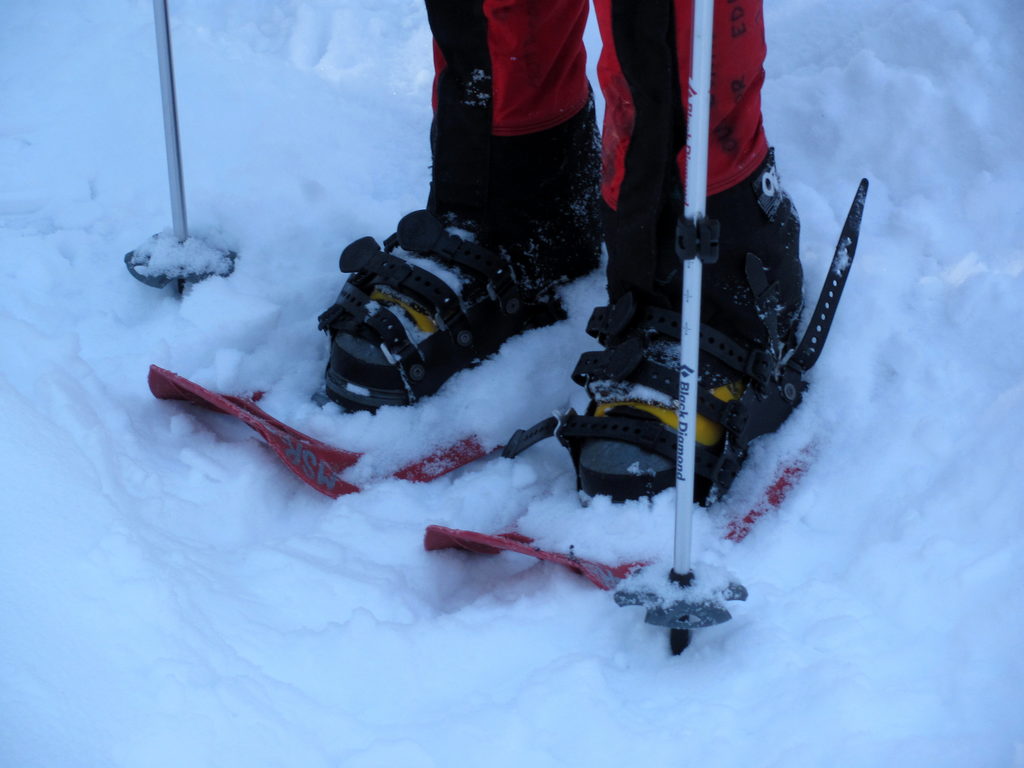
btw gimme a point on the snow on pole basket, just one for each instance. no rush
(165, 259)
(174, 257)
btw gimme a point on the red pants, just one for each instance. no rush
(538, 72)
(517, 68)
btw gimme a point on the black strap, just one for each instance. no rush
(824, 311)
(374, 268)
(391, 271)
(329, 319)
(420, 232)
(610, 324)
(350, 305)
(626, 362)
(756, 364)
(732, 415)
(623, 363)
(392, 334)
(525, 438)
(651, 435)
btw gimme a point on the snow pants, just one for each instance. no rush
(513, 127)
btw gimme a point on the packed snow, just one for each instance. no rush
(172, 596)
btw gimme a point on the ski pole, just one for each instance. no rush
(170, 109)
(173, 266)
(698, 121)
(700, 242)
(697, 241)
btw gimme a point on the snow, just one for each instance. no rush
(163, 257)
(172, 596)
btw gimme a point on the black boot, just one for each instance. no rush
(456, 281)
(625, 444)
(751, 302)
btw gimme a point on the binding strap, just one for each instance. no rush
(627, 328)
(761, 409)
(420, 232)
(374, 267)
(616, 324)
(450, 329)
(571, 429)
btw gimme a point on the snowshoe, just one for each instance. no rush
(751, 378)
(624, 445)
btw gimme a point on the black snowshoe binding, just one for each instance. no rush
(436, 300)
(425, 306)
(751, 378)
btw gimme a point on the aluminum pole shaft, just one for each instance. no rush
(698, 120)
(170, 106)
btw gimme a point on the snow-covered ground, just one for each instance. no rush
(169, 595)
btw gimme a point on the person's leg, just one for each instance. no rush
(516, 169)
(514, 138)
(643, 70)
